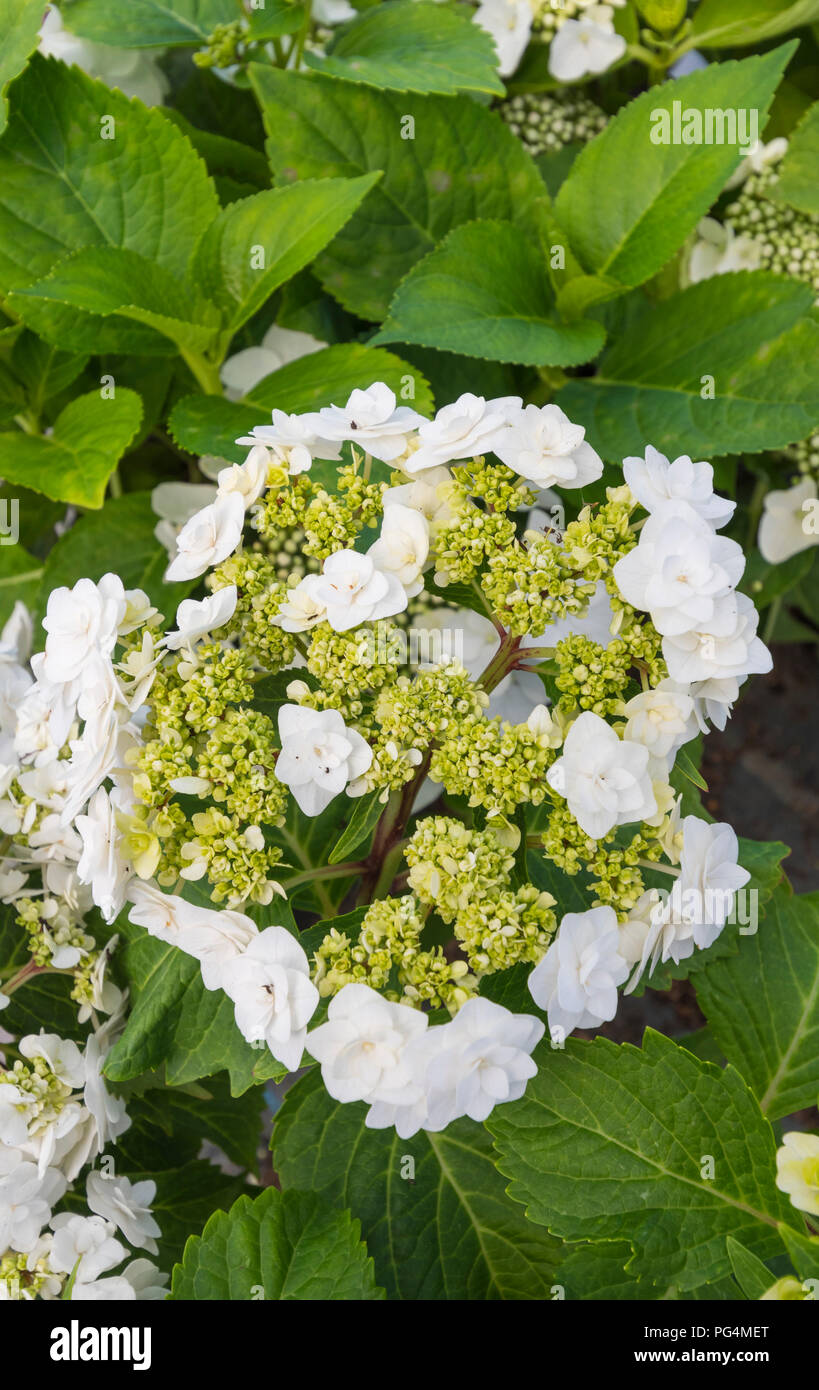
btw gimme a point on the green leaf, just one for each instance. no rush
(20, 575)
(484, 293)
(185, 1198)
(210, 425)
(766, 582)
(656, 193)
(20, 22)
(463, 163)
(168, 1121)
(753, 1277)
(290, 226)
(149, 23)
(174, 1020)
(739, 23)
(281, 1245)
(366, 814)
(121, 539)
(67, 187)
(797, 184)
(687, 768)
(610, 1143)
(762, 1005)
(417, 47)
(744, 331)
(446, 1230)
(804, 1253)
(74, 463)
(110, 284)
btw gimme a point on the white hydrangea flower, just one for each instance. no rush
(303, 608)
(790, 521)
(371, 419)
(82, 625)
(319, 755)
(354, 591)
(758, 157)
(460, 430)
(247, 480)
(604, 779)
(510, 23)
(273, 994)
(724, 648)
(427, 494)
(126, 1205)
(663, 718)
(146, 1280)
(679, 570)
(546, 449)
(243, 370)
(197, 619)
(136, 73)
(61, 1054)
(718, 251)
(481, 1059)
(26, 1199)
(654, 481)
(402, 547)
(163, 915)
(797, 1170)
(88, 1239)
(176, 503)
(361, 1047)
(208, 538)
(586, 45)
(713, 699)
(101, 865)
(576, 981)
(293, 441)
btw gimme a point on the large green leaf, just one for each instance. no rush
(744, 331)
(210, 425)
(439, 1226)
(798, 184)
(457, 161)
(288, 225)
(111, 283)
(628, 203)
(413, 46)
(149, 23)
(120, 538)
(169, 1124)
(175, 1021)
(484, 292)
(762, 1005)
(74, 463)
(281, 1245)
(739, 23)
(62, 186)
(20, 21)
(610, 1143)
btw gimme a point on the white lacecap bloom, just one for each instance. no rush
(208, 538)
(545, 448)
(293, 441)
(587, 45)
(576, 981)
(661, 718)
(510, 23)
(758, 157)
(146, 1280)
(370, 419)
(427, 494)
(790, 521)
(27, 1197)
(797, 1170)
(604, 779)
(197, 619)
(718, 251)
(482, 1059)
(319, 755)
(679, 570)
(247, 480)
(245, 369)
(176, 503)
(82, 625)
(655, 481)
(163, 915)
(126, 1205)
(353, 590)
(273, 994)
(61, 1054)
(402, 547)
(361, 1047)
(461, 430)
(726, 647)
(101, 865)
(303, 608)
(87, 1239)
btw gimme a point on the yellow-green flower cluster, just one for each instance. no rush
(238, 760)
(432, 706)
(238, 863)
(498, 487)
(530, 585)
(48, 928)
(349, 665)
(22, 1277)
(260, 593)
(388, 956)
(495, 764)
(600, 536)
(590, 676)
(546, 121)
(613, 868)
(788, 240)
(468, 538)
(333, 522)
(464, 875)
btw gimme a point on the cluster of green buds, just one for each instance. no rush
(788, 240)
(546, 122)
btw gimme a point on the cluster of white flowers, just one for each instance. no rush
(132, 70)
(56, 1116)
(583, 44)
